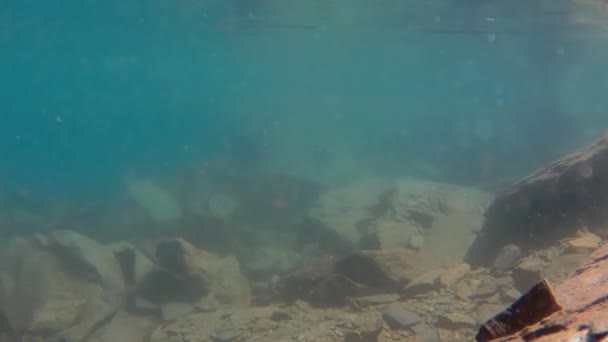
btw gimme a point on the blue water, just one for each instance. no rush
(93, 91)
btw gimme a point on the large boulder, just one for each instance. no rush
(60, 286)
(437, 219)
(188, 274)
(87, 255)
(345, 212)
(548, 205)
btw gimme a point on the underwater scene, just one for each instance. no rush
(312, 171)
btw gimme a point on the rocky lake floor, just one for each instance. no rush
(367, 261)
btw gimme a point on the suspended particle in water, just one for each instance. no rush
(437, 19)
(58, 119)
(499, 89)
(491, 37)
(560, 51)
(279, 203)
(24, 192)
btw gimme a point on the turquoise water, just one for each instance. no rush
(94, 92)
(222, 155)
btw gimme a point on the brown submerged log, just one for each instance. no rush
(548, 205)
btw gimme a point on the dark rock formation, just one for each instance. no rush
(548, 205)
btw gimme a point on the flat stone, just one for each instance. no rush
(397, 316)
(528, 272)
(456, 321)
(125, 327)
(228, 335)
(425, 333)
(425, 282)
(454, 274)
(485, 290)
(376, 299)
(585, 241)
(173, 311)
(451, 335)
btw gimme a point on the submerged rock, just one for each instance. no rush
(341, 211)
(387, 234)
(125, 327)
(425, 282)
(383, 269)
(585, 241)
(60, 289)
(158, 203)
(87, 256)
(507, 258)
(187, 274)
(548, 205)
(454, 274)
(398, 316)
(315, 282)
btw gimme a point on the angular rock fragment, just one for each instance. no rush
(532, 307)
(398, 316)
(584, 309)
(528, 272)
(584, 241)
